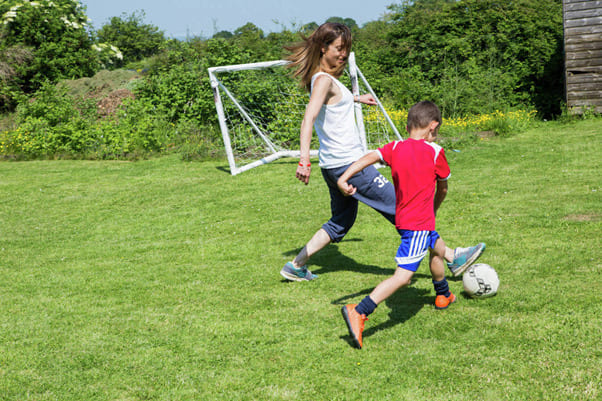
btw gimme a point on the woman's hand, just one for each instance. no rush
(303, 172)
(367, 98)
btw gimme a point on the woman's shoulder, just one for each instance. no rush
(322, 79)
(322, 76)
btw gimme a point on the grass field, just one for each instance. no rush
(158, 280)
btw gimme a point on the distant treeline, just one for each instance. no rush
(470, 56)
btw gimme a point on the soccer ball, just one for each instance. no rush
(480, 281)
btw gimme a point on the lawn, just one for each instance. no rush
(158, 280)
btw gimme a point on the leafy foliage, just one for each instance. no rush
(51, 37)
(135, 39)
(10, 58)
(481, 55)
(350, 22)
(472, 57)
(56, 124)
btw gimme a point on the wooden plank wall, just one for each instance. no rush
(583, 54)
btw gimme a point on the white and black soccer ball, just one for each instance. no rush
(480, 281)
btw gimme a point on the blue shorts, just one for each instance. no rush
(413, 248)
(372, 189)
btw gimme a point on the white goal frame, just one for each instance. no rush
(275, 152)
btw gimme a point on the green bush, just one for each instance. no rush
(472, 57)
(50, 123)
(134, 39)
(469, 56)
(194, 142)
(53, 42)
(55, 124)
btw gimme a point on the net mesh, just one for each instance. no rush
(263, 109)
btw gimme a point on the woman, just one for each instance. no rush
(319, 61)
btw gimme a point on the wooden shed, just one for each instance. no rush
(583, 54)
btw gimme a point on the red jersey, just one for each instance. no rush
(416, 165)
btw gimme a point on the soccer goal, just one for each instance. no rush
(260, 108)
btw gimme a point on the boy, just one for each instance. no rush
(420, 171)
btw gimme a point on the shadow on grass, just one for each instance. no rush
(224, 169)
(330, 259)
(403, 305)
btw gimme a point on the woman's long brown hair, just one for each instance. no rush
(305, 56)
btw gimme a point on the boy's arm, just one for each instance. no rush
(365, 161)
(440, 194)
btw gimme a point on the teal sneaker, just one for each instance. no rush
(464, 257)
(290, 272)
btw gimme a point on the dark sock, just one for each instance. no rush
(366, 307)
(441, 287)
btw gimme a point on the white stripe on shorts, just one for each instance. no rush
(418, 248)
(418, 242)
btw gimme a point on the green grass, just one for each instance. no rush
(158, 280)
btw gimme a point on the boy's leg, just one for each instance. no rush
(356, 315)
(374, 190)
(461, 258)
(388, 287)
(436, 263)
(410, 253)
(436, 256)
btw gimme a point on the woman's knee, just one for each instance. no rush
(335, 231)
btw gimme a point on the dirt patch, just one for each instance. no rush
(486, 134)
(107, 88)
(101, 84)
(110, 103)
(583, 217)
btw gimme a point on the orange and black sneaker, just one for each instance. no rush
(355, 323)
(442, 302)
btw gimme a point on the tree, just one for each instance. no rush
(479, 55)
(134, 39)
(308, 28)
(350, 22)
(223, 35)
(249, 31)
(42, 41)
(250, 39)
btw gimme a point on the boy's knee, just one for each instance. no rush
(403, 277)
(438, 248)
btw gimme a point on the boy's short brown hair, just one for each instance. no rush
(422, 113)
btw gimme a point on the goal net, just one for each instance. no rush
(260, 108)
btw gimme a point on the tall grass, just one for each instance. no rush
(158, 280)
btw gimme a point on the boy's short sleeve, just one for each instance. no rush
(442, 170)
(386, 152)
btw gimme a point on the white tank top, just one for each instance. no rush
(340, 143)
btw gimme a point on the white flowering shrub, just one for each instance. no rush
(108, 55)
(135, 39)
(56, 36)
(69, 12)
